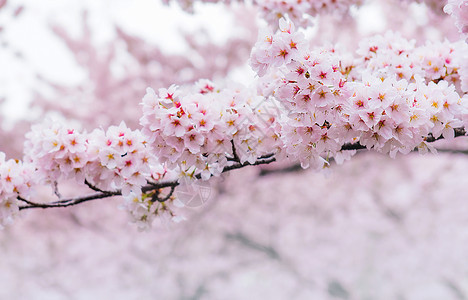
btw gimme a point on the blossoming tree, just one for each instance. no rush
(372, 228)
(311, 103)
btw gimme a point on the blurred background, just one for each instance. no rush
(373, 228)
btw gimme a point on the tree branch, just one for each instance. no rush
(95, 188)
(262, 160)
(458, 132)
(150, 187)
(65, 202)
(429, 139)
(234, 152)
(357, 146)
(168, 196)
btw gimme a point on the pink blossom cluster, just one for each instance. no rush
(389, 98)
(121, 160)
(202, 130)
(277, 49)
(391, 95)
(16, 179)
(392, 54)
(458, 9)
(143, 210)
(56, 151)
(314, 94)
(395, 116)
(115, 159)
(312, 91)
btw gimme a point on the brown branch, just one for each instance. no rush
(168, 195)
(66, 202)
(288, 169)
(234, 152)
(353, 146)
(56, 190)
(452, 151)
(458, 132)
(266, 156)
(27, 201)
(429, 139)
(159, 185)
(264, 159)
(258, 162)
(150, 187)
(357, 146)
(95, 188)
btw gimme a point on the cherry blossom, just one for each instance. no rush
(390, 99)
(208, 127)
(310, 103)
(325, 92)
(16, 181)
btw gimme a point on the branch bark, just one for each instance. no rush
(262, 160)
(147, 188)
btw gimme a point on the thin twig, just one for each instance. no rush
(168, 195)
(429, 139)
(159, 185)
(266, 156)
(27, 201)
(288, 169)
(65, 203)
(235, 157)
(353, 146)
(458, 132)
(95, 188)
(56, 190)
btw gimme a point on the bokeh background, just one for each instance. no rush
(372, 228)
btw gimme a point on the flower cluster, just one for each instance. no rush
(394, 116)
(309, 104)
(56, 151)
(120, 160)
(392, 54)
(389, 98)
(201, 130)
(16, 179)
(116, 159)
(143, 210)
(277, 49)
(314, 93)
